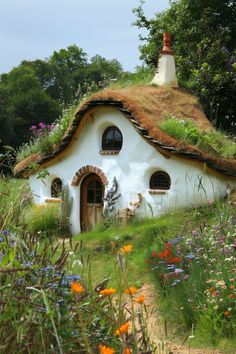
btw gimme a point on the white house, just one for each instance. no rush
(115, 159)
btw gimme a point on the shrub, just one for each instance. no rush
(42, 218)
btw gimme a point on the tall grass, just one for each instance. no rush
(195, 273)
(212, 141)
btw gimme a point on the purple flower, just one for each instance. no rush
(5, 232)
(42, 125)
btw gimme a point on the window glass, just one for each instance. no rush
(112, 139)
(94, 192)
(56, 188)
(160, 180)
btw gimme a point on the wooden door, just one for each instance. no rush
(91, 201)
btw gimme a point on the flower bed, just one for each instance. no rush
(197, 276)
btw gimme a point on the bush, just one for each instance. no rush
(42, 218)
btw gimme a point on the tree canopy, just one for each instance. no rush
(204, 42)
(37, 91)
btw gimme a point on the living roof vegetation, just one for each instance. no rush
(147, 107)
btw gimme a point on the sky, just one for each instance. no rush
(33, 29)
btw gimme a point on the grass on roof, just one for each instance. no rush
(213, 142)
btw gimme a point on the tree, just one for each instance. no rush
(68, 67)
(6, 119)
(28, 103)
(204, 42)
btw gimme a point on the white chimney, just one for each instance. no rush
(165, 72)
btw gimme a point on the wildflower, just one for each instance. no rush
(105, 350)
(212, 289)
(127, 351)
(174, 260)
(154, 254)
(140, 299)
(227, 313)
(215, 293)
(123, 329)
(107, 292)
(231, 296)
(221, 283)
(126, 248)
(232, 287)
(132, 290)
(167, 251)
(76, 288)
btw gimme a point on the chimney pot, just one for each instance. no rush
(165, 74)
(166, 43)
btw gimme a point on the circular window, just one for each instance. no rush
(56, 187)
(160, 180)
(112, 139)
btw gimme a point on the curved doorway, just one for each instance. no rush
(91, 201)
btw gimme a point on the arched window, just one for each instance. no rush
(160, 180)
(56, 188)
(112, 139)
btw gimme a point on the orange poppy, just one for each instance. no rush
(123, 329)
(127, 351)
(105, 350)
(126, 248)
(76, 288)
(132, 290)
(107, 292)
(140, 299)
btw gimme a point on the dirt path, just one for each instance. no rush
(158, 331)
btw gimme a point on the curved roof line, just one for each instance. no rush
(161, 141)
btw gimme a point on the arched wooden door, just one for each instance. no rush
(91, 201)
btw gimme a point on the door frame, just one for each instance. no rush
(83, 195)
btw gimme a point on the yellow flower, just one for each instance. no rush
(107, 292)
(105, 350)
(76, 288)
(126, 248)
(132, 290)
(140, 299)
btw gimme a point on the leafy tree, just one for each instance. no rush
(68, 67)
(6, 119)
(204, 42)
(28, 103)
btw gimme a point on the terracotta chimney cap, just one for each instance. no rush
(166, 44)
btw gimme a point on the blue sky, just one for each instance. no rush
(33, 29)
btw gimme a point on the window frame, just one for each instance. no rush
(105, 144)
(162, 185)
(59, 180)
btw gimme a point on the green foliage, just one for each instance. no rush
(37, 91)
(204, 45)
(65, 210)
(27, 101)
(213, 142)
(45, 308)
(42, 218)
(196, 277)
(45, 143)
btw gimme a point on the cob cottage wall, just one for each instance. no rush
(132, 166)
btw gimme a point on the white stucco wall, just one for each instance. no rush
(166, 73)
(132, 167)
